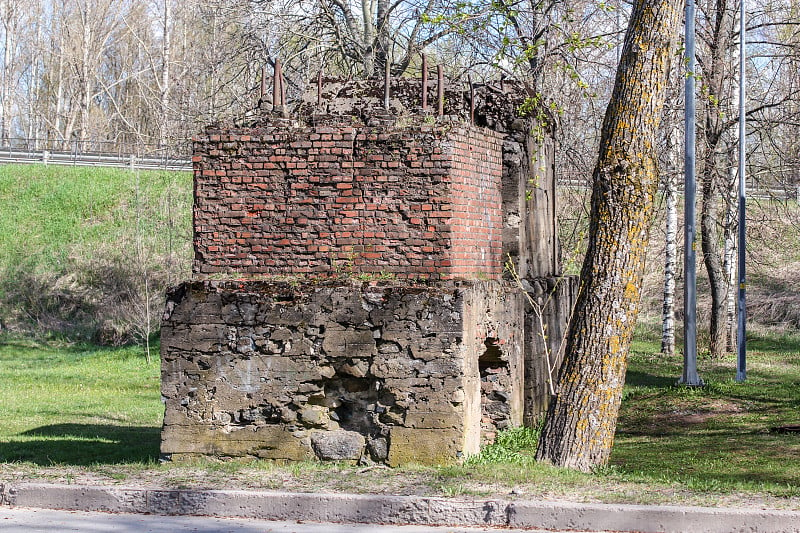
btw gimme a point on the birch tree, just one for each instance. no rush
(580, 422)
(670, 178)
(10, 19)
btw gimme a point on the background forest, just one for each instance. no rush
(145, 75)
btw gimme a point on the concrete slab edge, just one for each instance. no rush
(349, 508)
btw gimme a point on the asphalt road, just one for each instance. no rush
(26, 520)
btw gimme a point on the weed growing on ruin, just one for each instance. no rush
(537, 307)
(515, 446)
(372, 276)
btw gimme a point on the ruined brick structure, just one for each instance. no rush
(414, 202)
(349, 300)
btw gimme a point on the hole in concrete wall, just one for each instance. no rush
(495, 390)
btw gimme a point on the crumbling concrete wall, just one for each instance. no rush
(339, 370)
(548, 309)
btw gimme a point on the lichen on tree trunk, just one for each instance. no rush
(580, 423)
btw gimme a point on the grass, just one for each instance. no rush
(717, 437)
(77, 245)
(49, 212)
(77, 405)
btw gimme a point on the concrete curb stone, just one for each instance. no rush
(348, 508)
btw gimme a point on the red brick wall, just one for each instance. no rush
(415, 202)
(476, 244)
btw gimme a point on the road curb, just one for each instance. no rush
(349, 508)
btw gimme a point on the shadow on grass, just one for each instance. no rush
(642, 379)
(83, 445)
(774, 343)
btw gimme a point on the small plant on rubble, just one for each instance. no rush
(515, 445)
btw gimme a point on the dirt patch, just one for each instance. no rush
(714, 408)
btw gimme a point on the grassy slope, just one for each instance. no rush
(72, 230)
(773, 262)
(46, 212)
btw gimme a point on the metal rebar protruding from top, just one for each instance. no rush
(440, 89)
(386, 89)
(319, 89)
(276, 83)
(471, 99)
(424, 82)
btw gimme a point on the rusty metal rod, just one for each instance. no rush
(319, 88)
(471, 99)
(276, 83)
(424, 82)
(386, 89)
(440, 88)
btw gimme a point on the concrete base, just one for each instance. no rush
(362, 372)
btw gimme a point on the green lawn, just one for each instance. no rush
(77, 405)
(718, 436)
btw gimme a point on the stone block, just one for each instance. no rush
(451, 419)
(266, 442)
(349, 343)
(338, 445)
(425, 446)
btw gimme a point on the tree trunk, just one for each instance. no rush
(34, 88)
(729, 263)
(713, 160)
(84, 81)
(709, 231)
(8, 12)
(165, 86)
(368, 38)
(381, 44)
(580, 423)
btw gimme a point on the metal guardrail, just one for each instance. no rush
(10, 154)
(95, 159)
